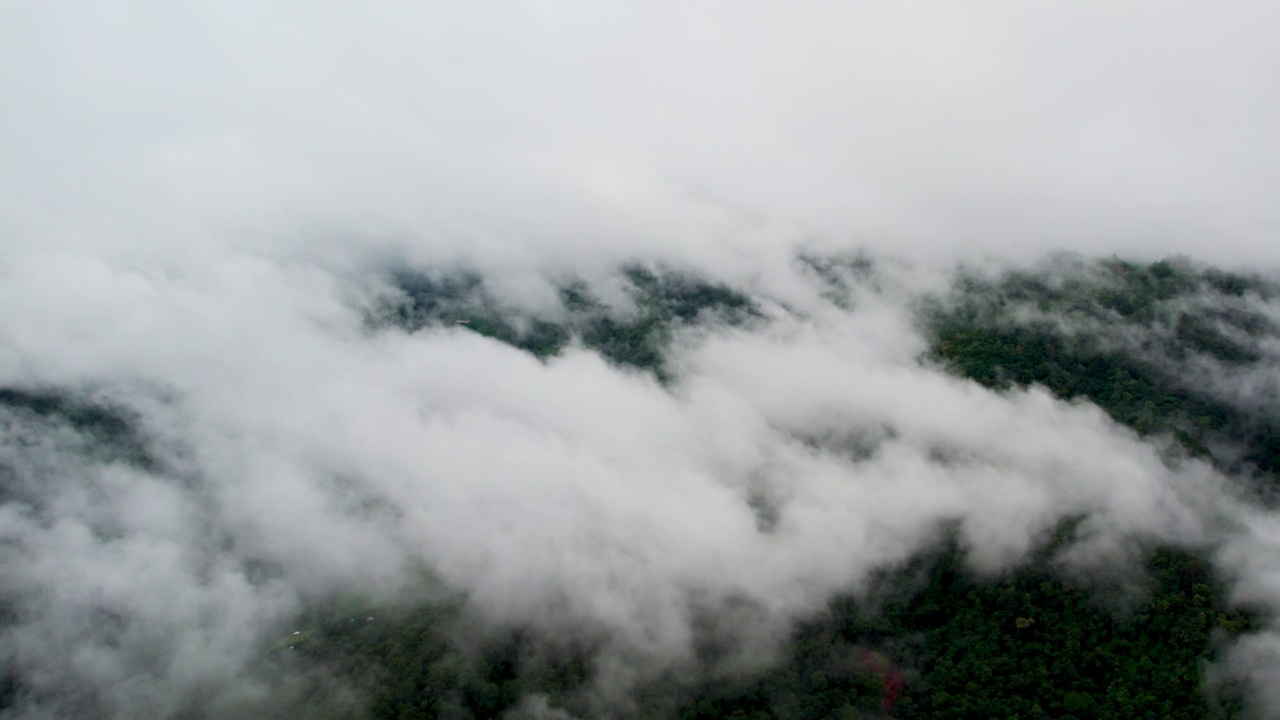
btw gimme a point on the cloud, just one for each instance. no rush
(293, 441)
(556, 133)
(193, 197)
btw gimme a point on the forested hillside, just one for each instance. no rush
(635, 336)
(931, 640)
(1155, 346)
(639, 361)
(1148, 344)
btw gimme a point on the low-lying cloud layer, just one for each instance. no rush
(195, 200)
(295, 453)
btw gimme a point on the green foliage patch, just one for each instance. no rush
(638, 337)
(932, 641)
(1121, 336)
(112, 431)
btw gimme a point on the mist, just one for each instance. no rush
(547, 134)
(202, 206)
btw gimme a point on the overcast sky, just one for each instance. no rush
(557, 132)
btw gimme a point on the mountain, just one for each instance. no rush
(1037, 491)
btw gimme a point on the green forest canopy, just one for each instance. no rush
(1029, 645)
(931, 641)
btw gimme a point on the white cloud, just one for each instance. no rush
(561, 133)
(190, 193)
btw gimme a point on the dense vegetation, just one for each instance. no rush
(83, 427)
(637, 337)
(1130, 339)
(106, 430)
(931, 641)
(418, 661)
(1027, 646)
